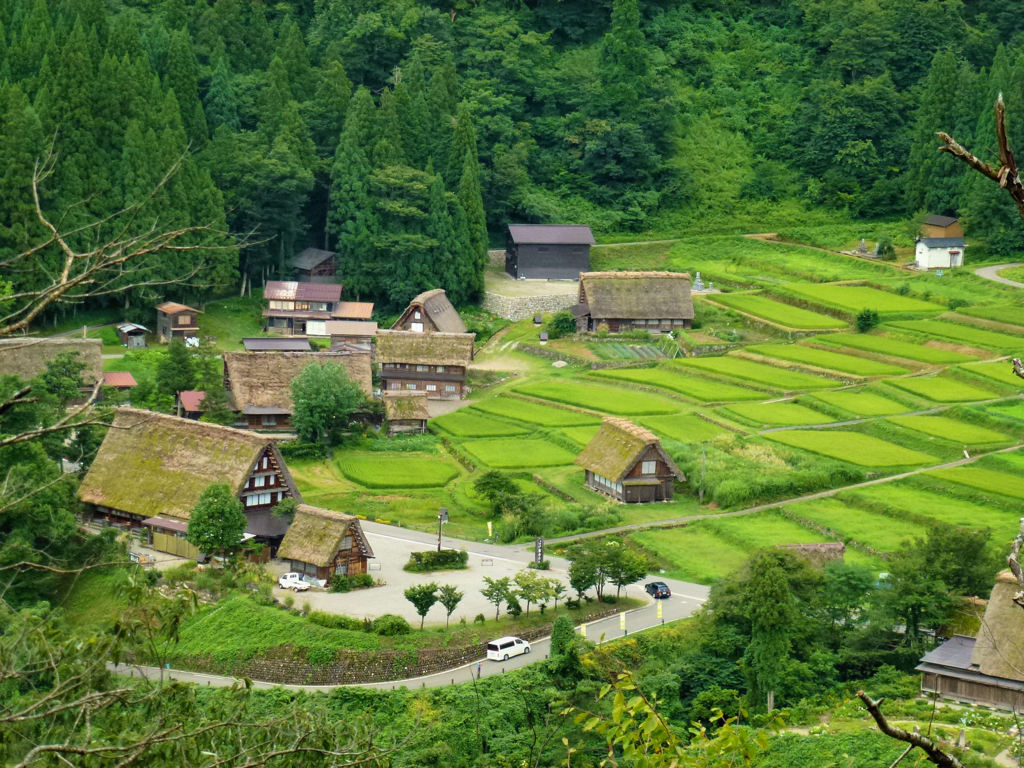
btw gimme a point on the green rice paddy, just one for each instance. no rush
(398, 470)
(519, 452)
(759, 373)
(963, 334)
(777, 414)
(861, 402)
(984, 479)
(694, 552)
(466, 423)
(943, 508)
(778, 312)
(614, 350)
(951, 429)
(821, 358)
(615, 400)
(1000, 370)
(686, 428)
(683, 383)
(854, 447)
(881, 532)
(534, 413)
(1010, 314)
(942, 389)
(580, 435)
(854, 298)
(887, 345)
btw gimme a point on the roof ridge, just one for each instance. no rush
(327, 514)
(631, 428)
(635, 273)
(191, 424)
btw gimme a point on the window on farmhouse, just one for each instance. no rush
(417, 327)
(269, 421)
(649, 468)
(184, 319)
(431, 387)
(449, 387)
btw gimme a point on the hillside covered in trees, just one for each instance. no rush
(400, 133)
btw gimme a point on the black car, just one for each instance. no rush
(658, 590)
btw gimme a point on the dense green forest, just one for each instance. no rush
(401, 132)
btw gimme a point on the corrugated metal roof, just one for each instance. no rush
(290, 290)
(167, 523)
(939, 221)
(353, 310)
(350, 328)
(192, 399)
(944, 242)
(551, 234)
(311, 257)
(276, 345)
(130, 327)
(172, 308)
(955, 652)
(119, 379)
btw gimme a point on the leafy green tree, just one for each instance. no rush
(325, 114)
(449, 596)
(562, 323)
(912, 595)
(350, 217)
(62, 378)
(772, 615)
(182, 77)
(323, 399)
(625, 568)
(423, 597)
(217, 522)
(933, 183)
(217, 407)
(176, 370)
(531, 587)
(866, 320)
(582, 575)
(562, 635)
(494, 486)
(496, 592)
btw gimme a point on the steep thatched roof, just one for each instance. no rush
(26, 356)
(405, 406)
(637, 295)
(425, 348)
(263, 379)
(999, 650)
(440, 311)
(617, 447)
(315, 536)
(151, 464)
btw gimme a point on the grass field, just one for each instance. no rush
(686, 428)
(693, 553)
(758, 373)
(466, 423)
(854, 447)
(615, 400)
(1011, 314)
(822, 358)
(777, 414)
(861, 402)
(963, 334)
(984, 479)
(942, 389)
(228, 321)
(951, 429)
(683, 383)
(881, 532)
(887, 345)
(534, 413)
(778, 312)
(398, 470)
(854, 298)
(512, 453)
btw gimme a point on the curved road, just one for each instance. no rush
(989, 273)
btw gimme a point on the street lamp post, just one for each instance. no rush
(442, 518)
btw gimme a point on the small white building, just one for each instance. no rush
(939, 252)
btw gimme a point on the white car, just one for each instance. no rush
(504, 647)
(293, 581)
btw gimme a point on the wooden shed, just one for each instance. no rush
(628, 301)
(627, 463)
(314, 265)
(132, 335)
(322, 543)
(406, 412)
(176, 321)
(190, 403)
(548, 251)
(430, 312)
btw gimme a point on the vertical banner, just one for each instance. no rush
(583, 630)
(659, 609)
(622, 621)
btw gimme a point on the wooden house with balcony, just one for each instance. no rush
(430, 312)
(315, 265)
(627, 463)
(176, 321)
(548, 251)
(634, 301)
(291, 305)
(260, 382)
(321, 543)
(435, 363)
(151, 470)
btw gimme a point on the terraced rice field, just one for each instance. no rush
(943, 389)
(962, 334)
(861, 403)
(580, 435)
(694, 553)
(951, 429)
(1004, 523)
(684, 383)
(984, 479)
(520, 452)
(757, 373)
(616, 400)
(534, 413)
(466, 423)
(881, 532)
(778, 312)
(686, 428)
(763, 529)
(854, 298)
(383, 470)
(854, 447)
(1001, 313)
(777, 414)
(613, 350)
(1001, 370)
(821, 358)
(887, 345)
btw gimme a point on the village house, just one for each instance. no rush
(346, 334)
(132, 335)
(292, 305)
(941, 244)
(321, 543)
(430, 312)
(260, 382)
(434, 363)
(314, 265)
(263, 344)
(987, 669)
(627, 463)
(406, 412)
(548, 251)
(628, 301)
(176, 321)
(27, 356)
(151, 470)
(190, 403)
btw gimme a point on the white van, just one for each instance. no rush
(504, 647)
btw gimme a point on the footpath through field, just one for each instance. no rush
(990, 273)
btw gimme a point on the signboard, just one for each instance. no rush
(538, 550)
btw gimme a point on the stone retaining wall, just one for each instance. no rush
(520, 307)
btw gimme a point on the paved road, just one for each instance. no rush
(989, 273)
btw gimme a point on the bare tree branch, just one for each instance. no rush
(932, 752)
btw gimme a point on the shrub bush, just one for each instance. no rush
(390, 625)
(360, 580)
(543, 565)
(296, 449)
(340, 583)
(184, 572)
(562, 323)
(337, 621)
(431, 560)
(479, 619)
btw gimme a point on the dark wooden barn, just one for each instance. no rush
(627, 463)
(322, 543)
(314, 265)
(176, 321)
(548, 251)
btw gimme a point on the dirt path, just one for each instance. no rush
(989, 273)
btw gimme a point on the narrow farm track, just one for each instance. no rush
(772, 237)
(990, 273)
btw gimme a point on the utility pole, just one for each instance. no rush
(703, 464)
(442, 518)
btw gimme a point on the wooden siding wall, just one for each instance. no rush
(547, 262)
(174, 545)
(404, 323)
(254, 421)
(392, 384)
(274, 484)
(965, 690)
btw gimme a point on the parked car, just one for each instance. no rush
(293, 581)
(504, 647)
(658, 590)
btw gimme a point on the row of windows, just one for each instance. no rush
(260, 481)
(606, 483)
(411, 386)
(256, 499)
(282, 304)
(418, 368)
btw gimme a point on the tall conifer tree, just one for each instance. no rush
(221, 104)
(182, 76)
(933, 182)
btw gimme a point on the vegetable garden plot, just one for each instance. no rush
(518, 452)
(1004, 523)
(777, 311)
(984, 479)
(854, 298)
(613, 400)
(684, 383)
(881, 532)
(887, 345)
(686, 428)
(777, 414)
(861, 402)
(953, 430)
(943, 389)
(466, 423)
(854, 447)
(402, 470)
(963, 334)
(548, 416)
(623, 351)
(759, 373)
(821, 358)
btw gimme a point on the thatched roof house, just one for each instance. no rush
(322, 543)
(430, 312)
(434, 363)
(652, 301)
(626, 461)
(26, 356)
(406, 411)
(152, 469)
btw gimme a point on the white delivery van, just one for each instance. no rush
(505, 647)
